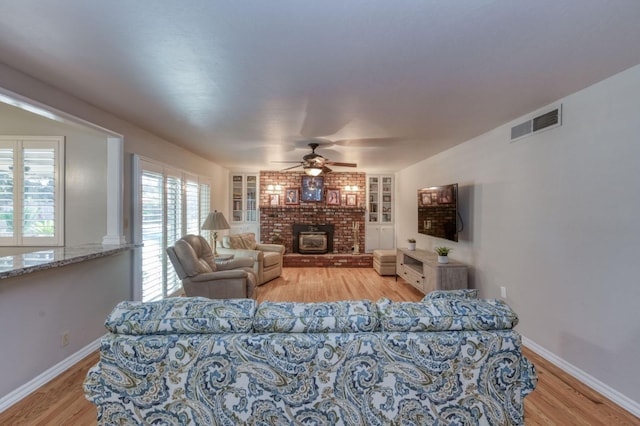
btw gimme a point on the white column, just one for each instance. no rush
(115, 170)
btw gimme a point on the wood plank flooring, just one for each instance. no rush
(558, 400)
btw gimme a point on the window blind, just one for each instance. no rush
(6, 192)
(38, 192)
(152, 200)
(173, 228)
(192, 208)
(171, 205)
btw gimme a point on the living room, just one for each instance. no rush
(531, 225)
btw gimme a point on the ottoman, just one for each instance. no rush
(384, 262)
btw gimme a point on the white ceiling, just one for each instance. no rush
(247, 82)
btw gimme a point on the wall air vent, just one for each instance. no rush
(541, 122)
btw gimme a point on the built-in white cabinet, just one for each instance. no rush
(244, 215)
(379, 237)
(379, 227)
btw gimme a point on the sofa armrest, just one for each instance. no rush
(220, 275)
(278, 248)
(529, 376)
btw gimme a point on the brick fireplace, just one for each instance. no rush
(277, 222)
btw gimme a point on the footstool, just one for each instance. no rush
(384, 262)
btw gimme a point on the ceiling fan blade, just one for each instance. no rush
(370, 142)
(292, 167)
(325, 169)
(336, 163)
(289, 162)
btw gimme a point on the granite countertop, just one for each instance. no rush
(26, 263)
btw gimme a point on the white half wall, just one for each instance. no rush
(37, 308)
(555, 218)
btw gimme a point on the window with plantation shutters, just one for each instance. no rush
(173, 227)
(6, 192)
(192, 212)
(152, 200)
(205, 201)
(170, 206)
(31, 199)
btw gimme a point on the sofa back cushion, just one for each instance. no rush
(446, 314)
(465, 293)
(326, 317)
(186, 315)
(246, 241)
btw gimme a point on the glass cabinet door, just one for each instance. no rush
(387, 199)
(373, 199)
(236, 198)
(244, 198)
(252, 199)
(380, 202)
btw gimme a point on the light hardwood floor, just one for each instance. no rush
(559, 399)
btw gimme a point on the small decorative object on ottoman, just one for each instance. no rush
(384, 262)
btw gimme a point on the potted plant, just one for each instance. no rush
(443, 254)
(412, 243)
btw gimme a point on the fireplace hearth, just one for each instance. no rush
(312, 238)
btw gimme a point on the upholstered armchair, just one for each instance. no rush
(194, 263)
(267, 258)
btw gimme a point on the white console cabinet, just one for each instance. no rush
(421, 269)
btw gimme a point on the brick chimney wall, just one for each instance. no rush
(276, 223)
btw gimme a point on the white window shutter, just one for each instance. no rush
(152, 199)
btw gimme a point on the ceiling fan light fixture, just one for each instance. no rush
(313, 171)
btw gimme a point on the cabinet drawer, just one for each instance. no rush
(413, 277)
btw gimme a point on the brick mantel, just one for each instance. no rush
(276, 223)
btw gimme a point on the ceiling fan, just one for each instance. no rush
(315, 164)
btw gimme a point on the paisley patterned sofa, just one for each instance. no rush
(450, 359)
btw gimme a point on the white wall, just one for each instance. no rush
(556, 219)
(36, 308)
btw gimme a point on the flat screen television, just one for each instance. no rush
(438, 211)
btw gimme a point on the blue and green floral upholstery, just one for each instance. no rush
(338, 363)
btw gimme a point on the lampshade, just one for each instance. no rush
(313, 171)
(215, 222)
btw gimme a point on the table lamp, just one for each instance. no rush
(215, 222)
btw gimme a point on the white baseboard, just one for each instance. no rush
(627, 403)
(50, 374)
